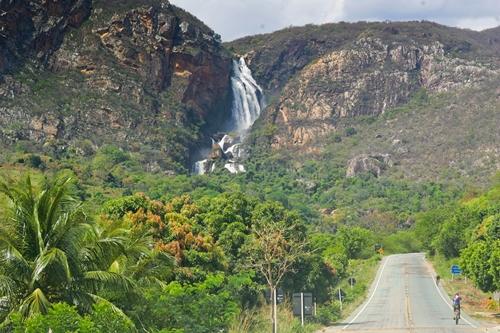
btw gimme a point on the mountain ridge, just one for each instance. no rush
(154, 80)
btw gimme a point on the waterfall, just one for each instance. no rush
(247, 97)
(246, 107)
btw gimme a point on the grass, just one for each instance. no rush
(364, 271)
(258, 321)
(476, 303)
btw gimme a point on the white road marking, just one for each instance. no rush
(446, 301)
(373, 293)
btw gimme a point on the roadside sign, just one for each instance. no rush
(280, 296)
(341, 295)
(352, 281)
(303, 304)
(455, 269)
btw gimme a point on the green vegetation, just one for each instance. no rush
(51, 253)
(193, 236)
(467, 232)
(177, 265)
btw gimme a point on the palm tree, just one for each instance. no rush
(50, 251)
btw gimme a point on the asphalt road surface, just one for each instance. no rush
(405, 298)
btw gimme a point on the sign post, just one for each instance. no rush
(352, 281)
(302, 308)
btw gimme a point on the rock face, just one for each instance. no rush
(36, 28)
(374, 164)
(323, 74)
(143, 76)
(367, 79)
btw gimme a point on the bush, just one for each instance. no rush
(64, 318)
(328, 313)
(61, 318)
(350, 131)
(107, 319)
(34, 161)
(192, 308)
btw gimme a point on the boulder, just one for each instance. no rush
(372, 163)
(216, 153)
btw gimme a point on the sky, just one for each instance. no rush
(237, 18)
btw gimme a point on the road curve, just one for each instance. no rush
(405, 298)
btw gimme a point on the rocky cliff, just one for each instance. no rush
(321, 74)
(144, 75)
(324, 80)
(149, 77)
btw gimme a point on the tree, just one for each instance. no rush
(276, 243)
(355, 240)
(480, 259)
(202, 307)
(63, 318)
(428, 225)
(51, 252)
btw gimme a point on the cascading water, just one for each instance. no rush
(245, 109)
(247, 97)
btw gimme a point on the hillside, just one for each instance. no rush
(426, 94)
(76, 75)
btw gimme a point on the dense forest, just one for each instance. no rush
(467, 230)
(181, 265)
(167, 262)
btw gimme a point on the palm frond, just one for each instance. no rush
(35, 303)
(57, 194)
(116, 309)
(110, 280)
(56, 259)
(36, 227)
(7, 286)
(10, 253)
(80, 298)
(103, 252)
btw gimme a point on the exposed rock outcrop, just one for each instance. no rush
(36, 28)
(143, 76)
(366, 79)
(373, 163)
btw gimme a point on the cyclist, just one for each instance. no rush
(456, 306)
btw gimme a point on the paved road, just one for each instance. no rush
(404, 298)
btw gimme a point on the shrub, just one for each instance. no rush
(203, 307)
(350, 131)
(328, 313)
(61, 318)
(34, 161)
(108, 319)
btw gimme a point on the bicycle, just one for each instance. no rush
(457, 314)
